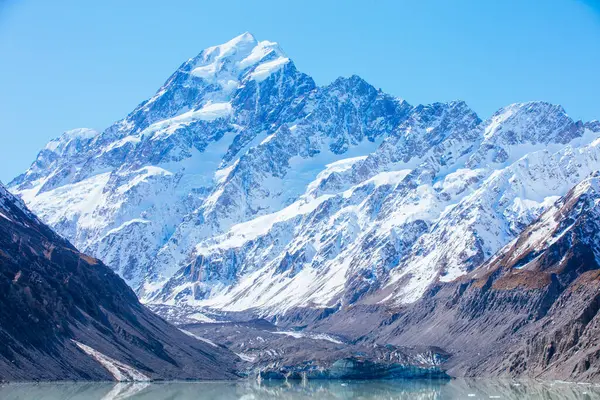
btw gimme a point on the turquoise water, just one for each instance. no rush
(413, 390)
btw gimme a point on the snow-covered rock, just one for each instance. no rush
(242, 185)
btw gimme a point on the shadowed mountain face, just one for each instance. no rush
(66, 316)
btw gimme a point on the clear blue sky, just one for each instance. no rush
(72, 63)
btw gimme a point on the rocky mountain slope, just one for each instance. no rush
(241, 185)
(66, 316)
(530, 311)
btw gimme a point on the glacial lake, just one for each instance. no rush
(338, 390)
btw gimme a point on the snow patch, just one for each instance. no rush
(246, 231)
(5, 217)
(263, 71)
(120, 371)
(202, 318)
(209, 112)
(190, 334)
(80, 133)
(315, 336)
(246, 357)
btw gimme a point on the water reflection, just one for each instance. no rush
(397, 390)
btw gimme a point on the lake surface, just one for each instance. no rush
(246, 390)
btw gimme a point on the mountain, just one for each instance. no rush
(242, 186)
(66, 316)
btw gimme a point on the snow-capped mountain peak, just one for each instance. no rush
(536, 122)
(242, 184)
(242, 57)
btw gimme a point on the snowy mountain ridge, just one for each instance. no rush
(241, 184)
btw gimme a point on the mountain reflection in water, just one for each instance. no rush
(246, 390)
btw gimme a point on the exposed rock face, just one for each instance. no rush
(66, 316)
